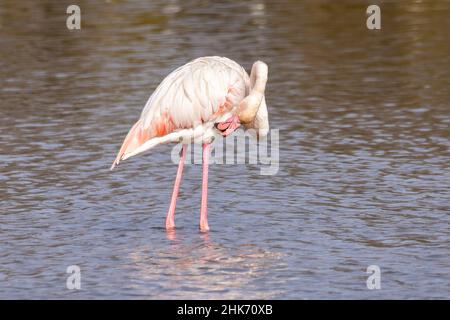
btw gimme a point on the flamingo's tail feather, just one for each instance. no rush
(136, 137)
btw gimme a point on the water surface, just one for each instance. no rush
(364, 172)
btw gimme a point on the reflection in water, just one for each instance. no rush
(212, 270)
(171, 234)
(364, 173)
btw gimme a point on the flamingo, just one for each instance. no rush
(204, 98)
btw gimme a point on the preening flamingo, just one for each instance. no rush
(205, 97)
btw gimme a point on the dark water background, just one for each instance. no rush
(364, 175)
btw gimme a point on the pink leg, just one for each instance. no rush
(204, 205)
(170, 220)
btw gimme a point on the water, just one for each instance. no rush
(364, 174)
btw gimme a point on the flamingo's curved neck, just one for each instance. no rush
(249, 106)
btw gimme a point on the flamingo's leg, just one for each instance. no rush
(204, 205)
(170, 219)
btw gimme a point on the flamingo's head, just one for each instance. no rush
(252, 111)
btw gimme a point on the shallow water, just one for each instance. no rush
(364, 175)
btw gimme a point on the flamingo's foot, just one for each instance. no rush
(170, 224)
(204, 226)
(228, 126)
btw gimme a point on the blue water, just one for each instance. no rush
(364, 176)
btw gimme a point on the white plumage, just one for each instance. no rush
(196, 90)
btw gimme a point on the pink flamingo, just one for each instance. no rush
(205, 97)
